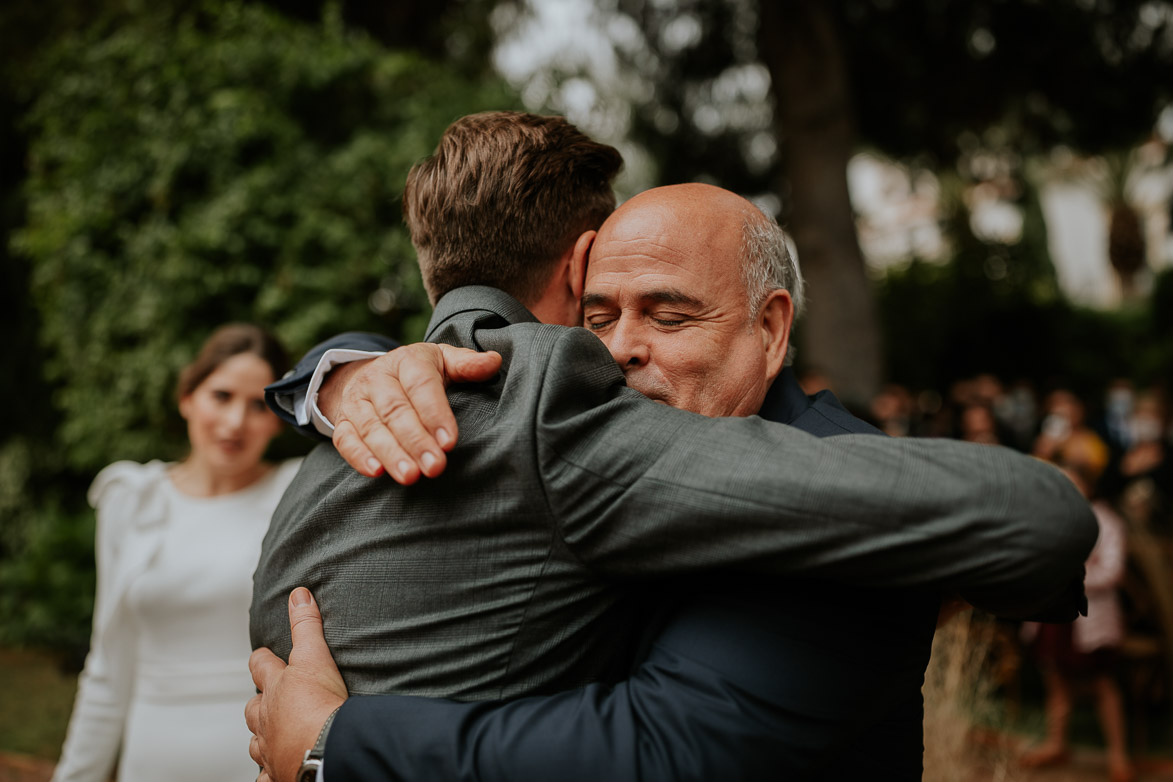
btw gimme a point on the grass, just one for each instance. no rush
(974, 733)
(38, 698)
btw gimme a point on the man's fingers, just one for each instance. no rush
(425, 383)
(424, 378)
(395, 415)
(462, 365)
(377, 426)
(305, 625)
(264, 665)
(310, 653)
(351, 447)
(395, 433)
(252, 714)
(414, 404)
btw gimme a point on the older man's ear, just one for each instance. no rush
(774, 320)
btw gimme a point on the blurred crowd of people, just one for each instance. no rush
(1116, 448)
(1119, 443)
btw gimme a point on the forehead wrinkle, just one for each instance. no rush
(646, 243)
(643, 258)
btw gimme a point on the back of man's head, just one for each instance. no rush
(503, 197)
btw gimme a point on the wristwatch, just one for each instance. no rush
(313, 756)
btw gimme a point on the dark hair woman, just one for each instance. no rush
(166, 678)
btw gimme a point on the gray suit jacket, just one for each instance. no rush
(510, 574)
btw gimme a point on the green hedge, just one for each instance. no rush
(188, 169)
(223, 164)
(943, 323)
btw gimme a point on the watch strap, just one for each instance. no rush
(313, 756)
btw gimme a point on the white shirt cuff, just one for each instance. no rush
(306, 406)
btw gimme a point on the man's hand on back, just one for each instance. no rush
(392, 412)
(294, 700)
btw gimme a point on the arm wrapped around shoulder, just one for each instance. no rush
(642, 489)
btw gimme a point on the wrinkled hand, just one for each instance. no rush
(392, 413)
(294, 699)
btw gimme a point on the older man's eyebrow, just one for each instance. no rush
(672, 296)
(595, 300)
(658, 296)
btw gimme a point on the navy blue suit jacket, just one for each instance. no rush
(741, 680)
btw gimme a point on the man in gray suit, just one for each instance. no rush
(507, 575)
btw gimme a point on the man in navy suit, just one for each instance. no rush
(811, 680)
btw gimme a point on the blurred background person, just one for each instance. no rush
(972, 410)
(892, 410)
(977, 425)
(166, 677)
(1141, 480)
(1016, 410)
(1068, 654)
(1115, 424)
(1063, 419)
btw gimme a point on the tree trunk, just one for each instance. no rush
(799, 42)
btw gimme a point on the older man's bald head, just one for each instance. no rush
(674, 288)
(767, 262)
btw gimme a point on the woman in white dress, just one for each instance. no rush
(166, 679)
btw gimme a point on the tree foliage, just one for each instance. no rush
(215, 165)
(936, 84)
(1092, 75)
(188, 167)
(926, 78)
(947, 322)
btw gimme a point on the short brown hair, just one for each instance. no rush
(227, 341)
(504, 196)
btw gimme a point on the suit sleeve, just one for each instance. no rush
(640, 489)
(650, 727)
(281, 395)
(707, 703)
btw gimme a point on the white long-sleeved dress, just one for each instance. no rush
(166, 679)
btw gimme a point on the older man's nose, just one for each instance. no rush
(627, 347)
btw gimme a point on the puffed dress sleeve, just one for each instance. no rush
(122, 494)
